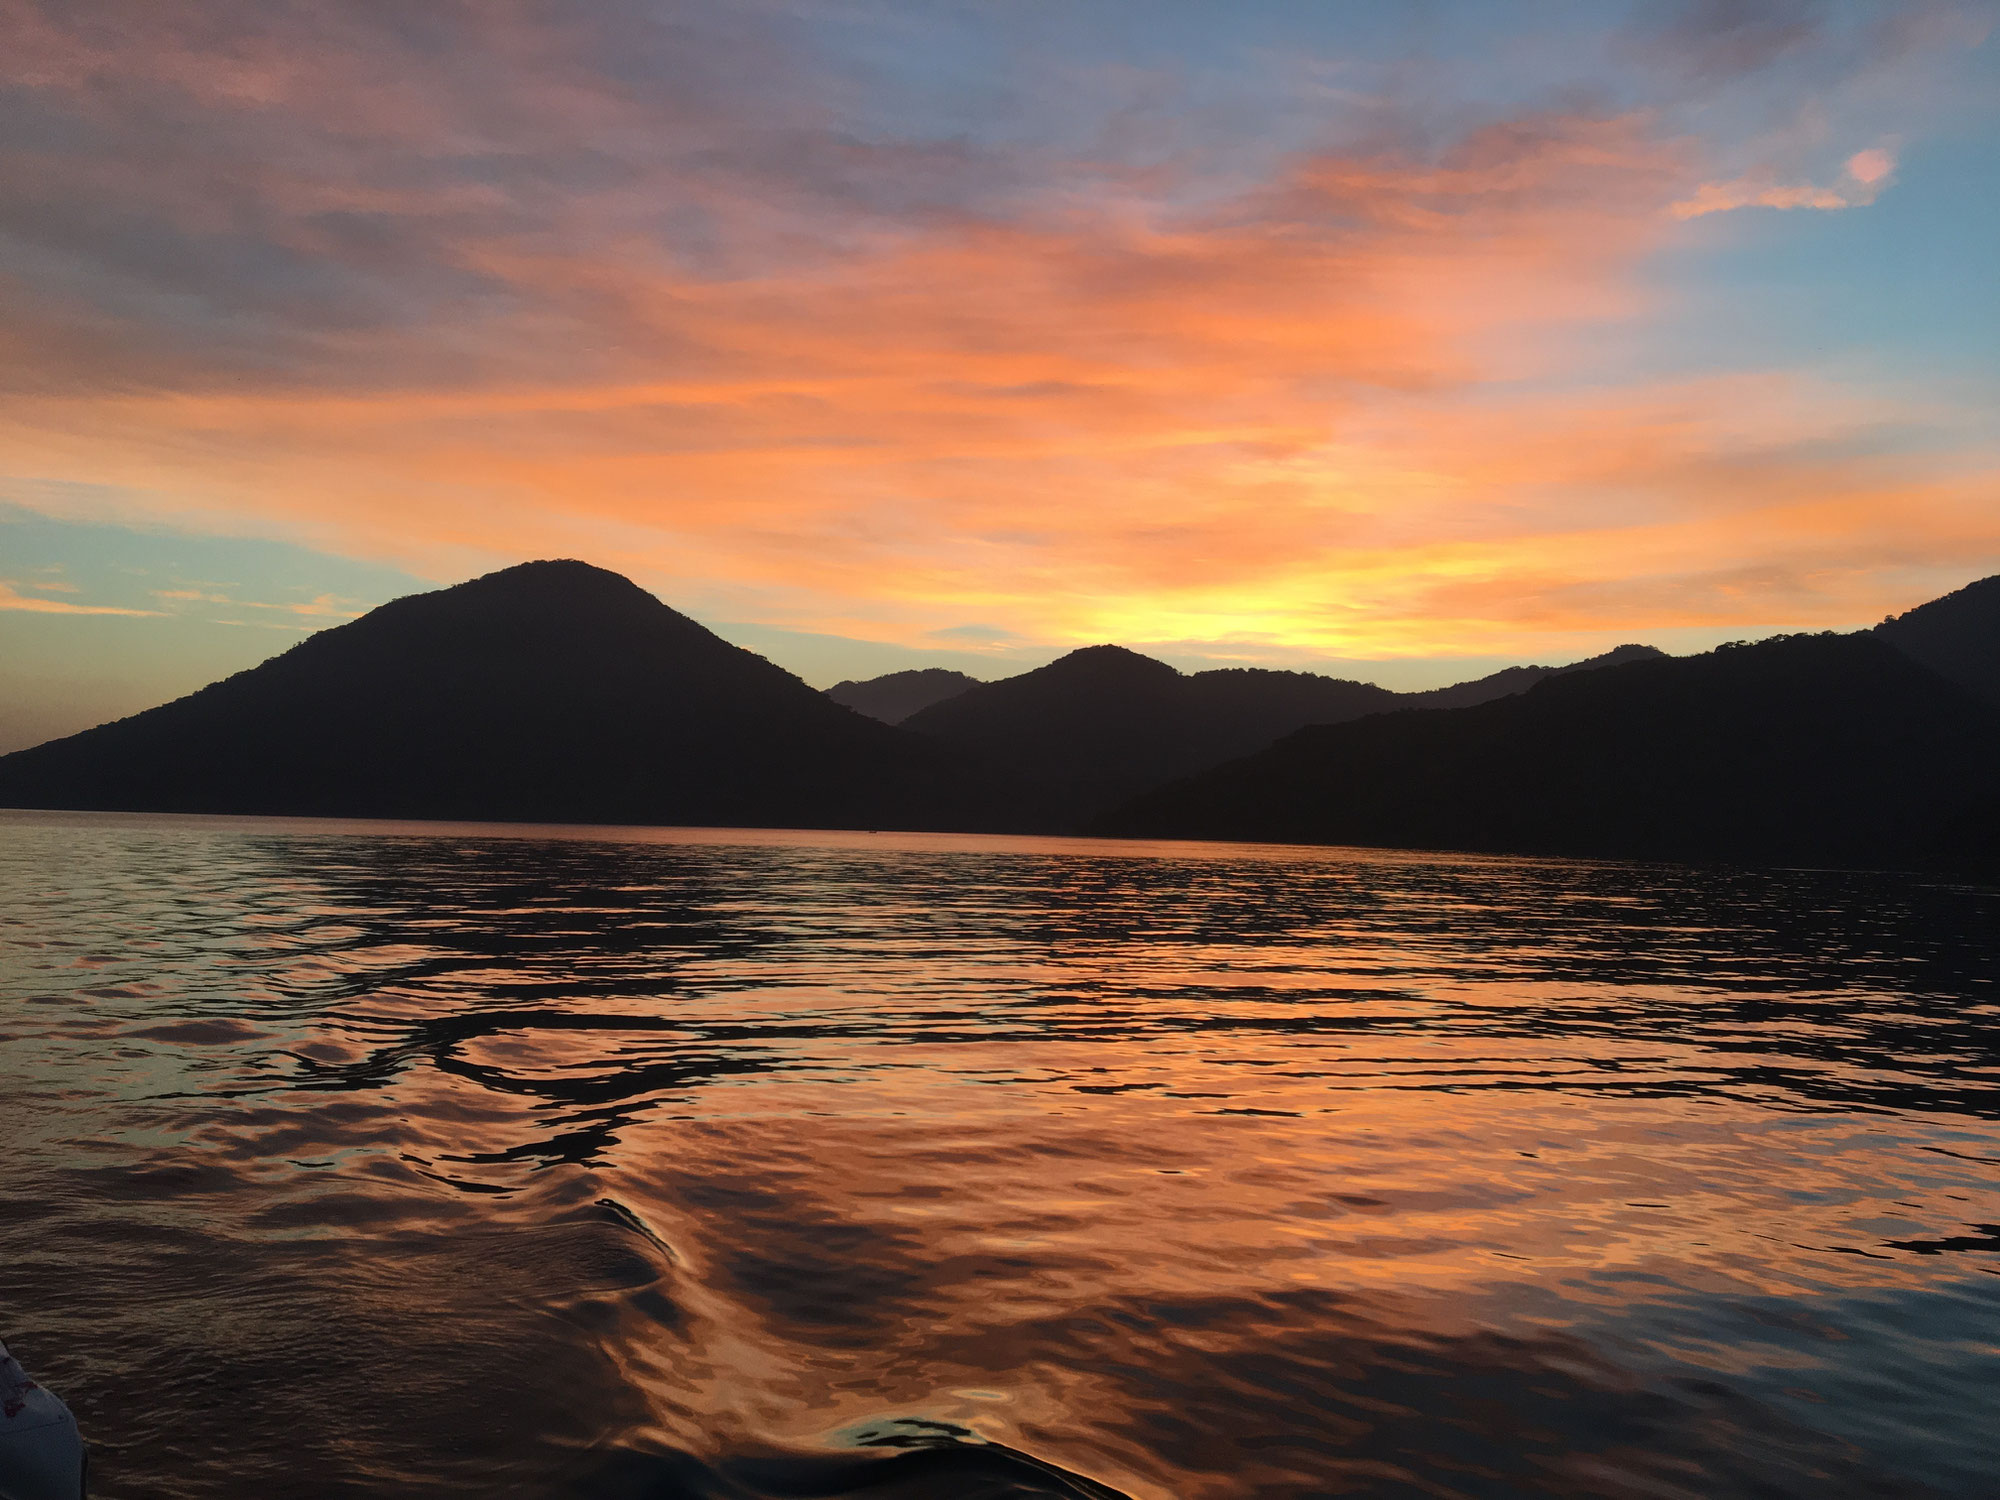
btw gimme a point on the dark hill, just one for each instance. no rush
(552, 691)
(1102, 724)
(894, 696)
(1252, 706)
(1957, 637)
(1824, 750)
(1510, 680)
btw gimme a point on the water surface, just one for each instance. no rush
(369, 1159)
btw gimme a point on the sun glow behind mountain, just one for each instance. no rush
(1267, 333)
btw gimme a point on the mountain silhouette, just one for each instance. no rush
(1958, 637)
(1510, 680)
(1819, 749)
(894, 696)
(556, 691)
(1103, 723)
(551, 691)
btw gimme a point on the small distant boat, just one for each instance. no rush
(42, 1455)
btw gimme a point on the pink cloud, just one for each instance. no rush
(1866, 175)
(1871, 166)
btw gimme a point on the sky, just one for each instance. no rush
(1399, 339)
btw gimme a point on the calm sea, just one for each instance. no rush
(347, 1159)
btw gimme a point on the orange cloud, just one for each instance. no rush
(11, 598)
(802, 375)
(322, 606)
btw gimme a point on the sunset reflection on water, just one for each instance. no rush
(367, 1159)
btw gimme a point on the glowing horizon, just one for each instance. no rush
(1277, 335)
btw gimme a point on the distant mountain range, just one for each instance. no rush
(1817, 749)
(555, 691)
(1103, 724)
(897, 696)
(1511, 680)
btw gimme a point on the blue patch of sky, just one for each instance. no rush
(254, 580)
(62, 671)
(1907, 282)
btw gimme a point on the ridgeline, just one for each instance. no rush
(559, 692)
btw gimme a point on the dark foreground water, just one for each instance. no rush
(346, 1159)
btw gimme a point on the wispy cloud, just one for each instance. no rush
(1866, 177)
(323, 607)
(12, 598)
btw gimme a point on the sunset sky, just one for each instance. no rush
(1391, 338)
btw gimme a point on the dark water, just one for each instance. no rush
(358, 1160)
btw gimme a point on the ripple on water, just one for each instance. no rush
(378, 1159)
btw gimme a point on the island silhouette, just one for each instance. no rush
(556, 691)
